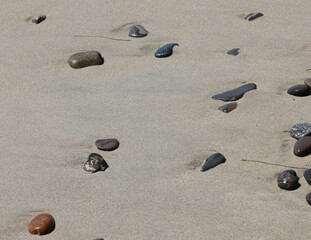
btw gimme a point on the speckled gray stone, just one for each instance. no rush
(288, 180)
(109, 144)
(235, 94)
(38, 19)
(138, 31)
(253, 16)
(85, 59)
(300, 130)
(233, 52)
(95, 163)
(166, 50)
(213, 161)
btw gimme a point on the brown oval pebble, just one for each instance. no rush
(42, 224)
(303, 146)
(109, 144)
(308, 82)
(228, 107)
(85, 59)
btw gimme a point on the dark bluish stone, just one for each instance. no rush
(213, 161)
(228, 107)
(138, 31)
(308, 198)
(253, 16)
(299, 90)
(95, 163)
(235, 94)
(166, 50)
(85, 59)
(109, 144)
(307, 175)
(38, 19)
(300, 130)
(233, 52)
(288, 180)
(303, 146)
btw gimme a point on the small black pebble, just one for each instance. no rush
(253, 16)
(288, 180)
(308, 198)
(299, 90)
(109, 144)
(166, 50)
(307, 175)
(233, 52)
(213, 161)
(38, 19)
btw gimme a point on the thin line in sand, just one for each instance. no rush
(273, 164)
(110, 38)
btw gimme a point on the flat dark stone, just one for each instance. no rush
(166, 50)
(253, 16)
(307, 175)
(233, 52)
(288, 180)
(299, 90)
(303, 146)
(85, 59)
(228, 107)
(38, 19)
(213, 161)
(138, 31)
(308, 198)
(235, 94)
(300, 130)
(95, 163)
(109, 144)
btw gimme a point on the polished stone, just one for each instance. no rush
(94, 163)
(299, 90)
(166, 50)
(253, 16)
(307, 175)
(233, 52)
(228, 107)
(303, 146)
(300, 130)
(213, 161)
(85, 59)
(38, 19)
(288, 180)
(42, 224)
(235, 94)
(138, 31)
(109, 144)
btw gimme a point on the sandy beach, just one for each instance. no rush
(162, 113)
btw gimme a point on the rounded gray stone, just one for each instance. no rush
(109, 144)
(138, 31)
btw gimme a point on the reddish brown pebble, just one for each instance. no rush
(303, 146)
(228, 107)
(42, 224)
(308, 82)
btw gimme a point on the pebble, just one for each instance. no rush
(138, 31)
(307, 175)
(288, 180)
(233, 52)
(85, 59)
(166, 50)
(303, 146)
(95, 163)
(42, 224)
(109, 144)
(235, 94)
(308, 198)
(38, 19)
(228, 107)
(300, 130)
(213, 161)
(253, 16)
(299, 90)
(308, 82)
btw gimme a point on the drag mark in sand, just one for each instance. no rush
(110, 38)
(273, 164)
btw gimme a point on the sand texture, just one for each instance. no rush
(162, 113)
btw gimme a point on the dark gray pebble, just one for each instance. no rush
(303, 146)
(213, 161)
(85, 59)
(253, 16)
(109, 144)
(138, 31)
(299, 90)
(235, 94)
(95, 163)
(288, 180)
(228, 107)
(233, 52)
(166, 50)
(38, 19)
(308, 198)
(307, 175)
(300, 130)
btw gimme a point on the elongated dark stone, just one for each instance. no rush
(288, 180)
(308, 198)
(166, 50)
(307, 175)
(138, 31)
(38, 19)
(235, 94)
(253, 16)
(228, 107)
(95, 163)
(299, 90)
(109, 144)
(85, 59)
(233, 52)
(303, 146)
(300, 130)
(213, 161)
